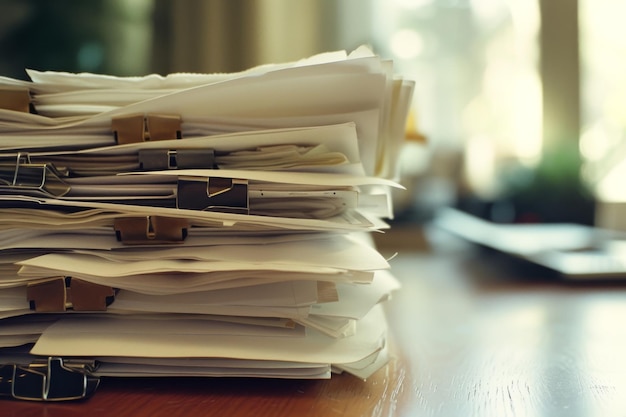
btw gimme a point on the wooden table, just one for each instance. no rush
(473, 334)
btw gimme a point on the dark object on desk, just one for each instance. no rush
(553, 191)
(575, 251)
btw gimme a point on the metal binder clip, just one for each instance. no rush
(53, 379)
(22, 175)
(225, 195)
(160, 159)
(150, 230)
(65, 293)
(15, 98)
(140, 128)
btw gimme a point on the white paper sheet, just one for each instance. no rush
(330, 89)
(93, 337)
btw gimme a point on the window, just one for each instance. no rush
(603, 80)
(502, 82)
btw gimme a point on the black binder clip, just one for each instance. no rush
(33, 178)
(163, 159)
(150, 230)
(140, 128)
(16, 99)
(53, 379)
(224, 195)
(64, 293)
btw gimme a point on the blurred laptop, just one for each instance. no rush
(573, 250)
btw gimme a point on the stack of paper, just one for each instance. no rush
(195, 224)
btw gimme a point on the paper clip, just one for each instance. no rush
(49, 379)
(140, 128)
(162, 159)
(15, 99)
(24, 176)
(65, 293)
(150, 230)
(225, 195)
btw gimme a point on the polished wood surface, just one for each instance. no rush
(473, 333)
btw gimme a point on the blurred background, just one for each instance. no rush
(522, 102)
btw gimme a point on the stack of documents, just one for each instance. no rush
(196, 224)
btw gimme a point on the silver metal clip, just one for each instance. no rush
(24, 176)
(53, 379)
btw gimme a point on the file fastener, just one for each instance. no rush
(65, 293)
(23, 176)
(225, 195)
(15, 98)
(150, 230)
(160, 159)
(140, 128)
(51, 379)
